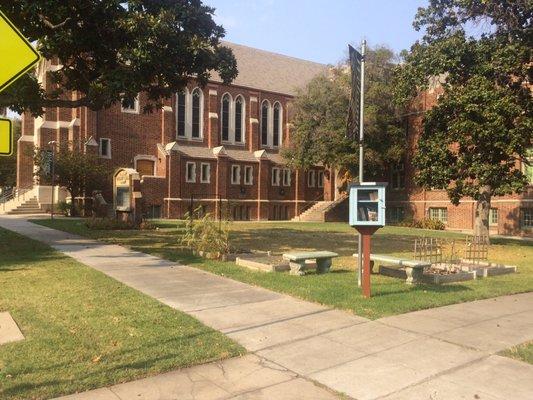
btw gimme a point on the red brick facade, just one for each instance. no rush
(134, 136)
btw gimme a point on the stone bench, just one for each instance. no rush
(414, 269)
(297, 261)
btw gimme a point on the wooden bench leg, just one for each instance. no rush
(323, 265)
(297, 267)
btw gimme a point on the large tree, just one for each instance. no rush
(110, 50)
(75, 170)
(320, 120)
(482, 126)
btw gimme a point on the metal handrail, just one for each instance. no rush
(16, 194)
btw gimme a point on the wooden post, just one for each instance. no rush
(366, 234)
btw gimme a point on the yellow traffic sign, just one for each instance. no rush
(17, 55)
(6, 137)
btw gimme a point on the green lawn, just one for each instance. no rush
(523, 352)
(338, 288)
(84, 330)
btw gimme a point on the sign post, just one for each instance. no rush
(355, 120)
(17, 56)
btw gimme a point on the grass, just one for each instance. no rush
(84, 330)
(523, 352)
(338, 288)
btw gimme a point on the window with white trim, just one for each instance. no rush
(235, 174)
(275, 176)
(205, 172)
(493, 216)
(189, 114)
(526, 218)
(225, 117)
(265, 122)
(276, 125)
(311, 179)
(104, 148)
(130, 107)
(439, 213)
(240, 120)
(190, 172)
(286, 177)
(248, 175)
(320, 179)
(232, 119)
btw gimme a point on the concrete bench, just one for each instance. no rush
(414, 269)
(298, 265)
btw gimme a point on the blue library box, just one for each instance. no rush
(367, 204)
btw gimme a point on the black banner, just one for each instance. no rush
(354, 109)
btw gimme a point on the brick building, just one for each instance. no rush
(217, 146)
(509, 215)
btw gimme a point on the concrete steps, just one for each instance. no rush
(30, 206)
(315, 213)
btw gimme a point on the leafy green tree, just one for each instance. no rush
(75, 170)
(482, 126)
(111, 50)
(319, 116)
(8, 165)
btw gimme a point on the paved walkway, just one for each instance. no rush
(439, 354)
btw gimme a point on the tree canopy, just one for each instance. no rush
(110, 50)
(482, 126)
(319, 115)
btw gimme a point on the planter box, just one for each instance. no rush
(263, 263)
(428, 278)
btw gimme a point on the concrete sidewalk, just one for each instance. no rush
(443, 353)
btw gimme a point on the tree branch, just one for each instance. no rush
(47, 22)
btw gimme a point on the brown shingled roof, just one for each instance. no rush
(264, 70)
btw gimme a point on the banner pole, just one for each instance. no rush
(361, 137)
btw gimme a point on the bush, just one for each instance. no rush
(426, 223)
(205, 236)
(66, 208)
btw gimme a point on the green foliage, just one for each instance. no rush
(114, 49)
(63, 207)
(8, 165)
(203, 234)
(320, 117)
(482, 126)
(79, 172)
(108, 224)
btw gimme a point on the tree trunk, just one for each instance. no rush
(481, 223)
(338, 184)
(73, 208)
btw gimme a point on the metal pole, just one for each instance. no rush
(361, 137)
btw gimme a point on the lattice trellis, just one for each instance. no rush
(428, 249)
(476, 249)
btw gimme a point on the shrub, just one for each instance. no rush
(205, 236)
(426, 223)
(64, 208)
